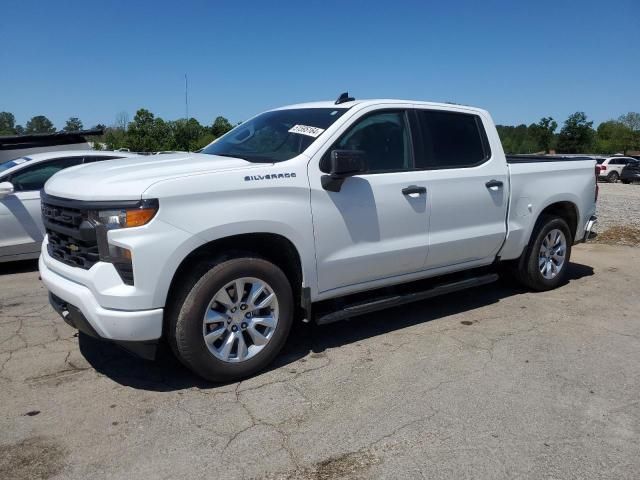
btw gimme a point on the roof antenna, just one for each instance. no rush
(344, 97)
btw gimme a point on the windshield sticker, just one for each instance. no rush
(306, 130)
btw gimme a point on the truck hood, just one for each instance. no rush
(128, 178)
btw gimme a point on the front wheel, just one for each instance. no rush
(234, 319)
(544, 263)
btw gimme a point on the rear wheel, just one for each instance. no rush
(626, 182)
(543, 265)
(613, 177)
(233, 319)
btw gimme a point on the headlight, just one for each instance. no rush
(112, 217)
(125, 217)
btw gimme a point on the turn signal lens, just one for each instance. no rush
(139, 216)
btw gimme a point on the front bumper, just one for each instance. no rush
(85, 313)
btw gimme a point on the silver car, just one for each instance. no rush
(21, 179)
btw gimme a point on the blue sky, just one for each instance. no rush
(519, 60)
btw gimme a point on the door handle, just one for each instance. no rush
(413, 189)
(494, 184)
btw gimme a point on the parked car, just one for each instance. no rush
(631, 172)
(611, 167)
(320, 211)
(21, 179)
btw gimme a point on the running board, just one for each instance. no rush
(395, 300)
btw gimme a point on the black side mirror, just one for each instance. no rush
(344, 164)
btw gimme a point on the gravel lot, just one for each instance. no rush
(494, 383)
(619, 206)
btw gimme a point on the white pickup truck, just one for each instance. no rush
(319, 211)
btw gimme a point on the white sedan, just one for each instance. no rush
(21, 179)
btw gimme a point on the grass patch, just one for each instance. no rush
(620, 235)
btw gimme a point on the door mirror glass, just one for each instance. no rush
(6, 188)
(344, 164)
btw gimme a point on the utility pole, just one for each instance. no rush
(186, 97)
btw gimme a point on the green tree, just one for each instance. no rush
(220, 126)
(73, 125)
(518, 139)
(7, 123)
(186, 134)
(613, 137)
(577, 134)
(632, 121)
(148, 134)
(115, 138)
(544, 133)
(40, 124)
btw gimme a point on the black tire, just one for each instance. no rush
(613, 177)
(527, 271)
(626, 182)
(186, 317)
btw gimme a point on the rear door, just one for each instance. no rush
(21, 228)
(467, 187)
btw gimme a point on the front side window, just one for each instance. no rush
(34, 178)
(450, 140)
(383, 137)
(275, 136)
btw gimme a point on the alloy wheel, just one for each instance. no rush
(553, 251)
(240, 319)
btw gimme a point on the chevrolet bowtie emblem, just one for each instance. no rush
(73, 248)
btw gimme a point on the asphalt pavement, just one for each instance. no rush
(489, 383)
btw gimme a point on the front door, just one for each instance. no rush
(371, 229)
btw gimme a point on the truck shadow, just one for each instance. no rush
(18, 266)
(168, 374)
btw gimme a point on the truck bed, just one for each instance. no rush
(536, 181)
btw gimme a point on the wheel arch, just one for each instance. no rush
(273, 247)
(566, 210)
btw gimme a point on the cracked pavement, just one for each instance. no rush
(488, 383)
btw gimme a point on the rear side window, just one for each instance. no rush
(450, 140)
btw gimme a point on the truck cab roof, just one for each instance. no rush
(378, 101)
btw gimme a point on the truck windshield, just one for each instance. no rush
(275, 136)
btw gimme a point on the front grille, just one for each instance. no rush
(72, 238)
